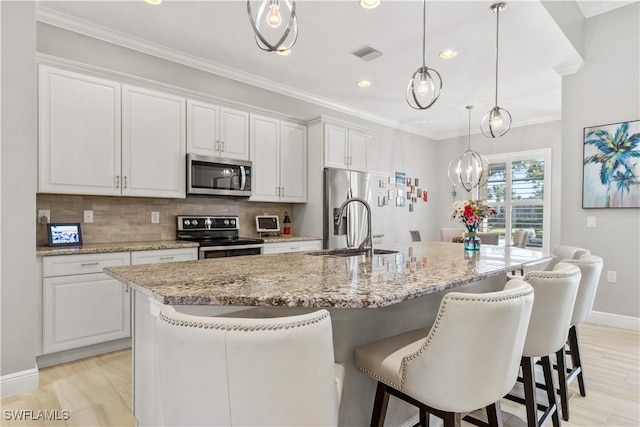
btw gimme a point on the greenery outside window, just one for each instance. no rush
(519, 190)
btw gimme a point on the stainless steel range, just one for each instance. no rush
(217, 235)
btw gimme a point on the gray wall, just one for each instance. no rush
(18, 181)
(546, 135)
(605, 90)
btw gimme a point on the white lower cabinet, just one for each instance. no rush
(82, 305)
(158, 256)
(297, 246)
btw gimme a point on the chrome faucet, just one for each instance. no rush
(338, 220)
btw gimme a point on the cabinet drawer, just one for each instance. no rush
(300, 246)
(67, 265)
(164, 255)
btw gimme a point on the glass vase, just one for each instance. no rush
(471, 239)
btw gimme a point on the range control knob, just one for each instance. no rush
(226, 222)
(187, 222)
(233, 222)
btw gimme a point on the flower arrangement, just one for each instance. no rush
(471, 213)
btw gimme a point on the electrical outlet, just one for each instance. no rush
(612, 277)
(155, 217)
(88, 217)
(44, 216)
(591, 221)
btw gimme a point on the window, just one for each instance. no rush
(518, 189)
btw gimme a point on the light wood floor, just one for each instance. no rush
(97, 391)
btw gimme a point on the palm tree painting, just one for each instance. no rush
(612, 166)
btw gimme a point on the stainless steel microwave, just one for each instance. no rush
(215, 176)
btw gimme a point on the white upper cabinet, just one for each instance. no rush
(153, 144)
(217, 131)
(278, 152)
(99, 137)
(79, 133)
(345, 147)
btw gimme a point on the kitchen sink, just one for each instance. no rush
(346, 252)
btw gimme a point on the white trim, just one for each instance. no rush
(411, 421)
(614, 320)
(80, 26)
(19, 382)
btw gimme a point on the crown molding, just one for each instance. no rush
(80, 26)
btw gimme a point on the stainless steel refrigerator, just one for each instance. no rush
(339, 185)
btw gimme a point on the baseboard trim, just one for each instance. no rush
(19, 382)
(65, 356)
(411, 421)
(615, 320)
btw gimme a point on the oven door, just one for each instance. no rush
(207, 252)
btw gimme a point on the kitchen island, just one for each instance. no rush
(368, 298)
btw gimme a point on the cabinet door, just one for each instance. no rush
(288, 247)
(153, 144)
(335, 146)
(79, 133)
(293, 162)
(202, 128)
(234, 134)
(358, 150)
(83, 310)
(265, 136)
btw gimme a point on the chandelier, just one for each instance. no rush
(271, 35)
(496, 122)
(470, 169)
(424, 86)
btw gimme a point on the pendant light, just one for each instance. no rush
(424, 87)
(496, 122)
(271, 35)
(470, 169)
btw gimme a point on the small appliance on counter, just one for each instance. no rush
(268, 224)
(218, 236)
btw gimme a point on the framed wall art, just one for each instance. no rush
(611, 166)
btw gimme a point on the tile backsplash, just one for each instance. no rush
(128, 219)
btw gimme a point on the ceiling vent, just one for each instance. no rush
(367, 53)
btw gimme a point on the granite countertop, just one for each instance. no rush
(302, 280)
(97, 248)
(288, 238)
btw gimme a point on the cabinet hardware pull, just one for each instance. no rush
(166, 257)
(222, 145)
(117, 181)
(282, 194)
(125, 182)
(89, 264)
(293, 248)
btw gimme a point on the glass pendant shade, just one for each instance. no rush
(423, 89)
(469, 169)
(268, 23)
(424, 86)
(497, 121)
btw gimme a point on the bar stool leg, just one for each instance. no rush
(424, 418)
(575, 357)
(452, 419)
(562, 383)
(494, 415)
(551, 391)
(529, 382)
(380, 404)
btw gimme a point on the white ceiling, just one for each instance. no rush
(216, 35)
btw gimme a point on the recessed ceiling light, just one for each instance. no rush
(448, 54)
(369, 4)
(364, 83)
(283, 52)
(153, 2)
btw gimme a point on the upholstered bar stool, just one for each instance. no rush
(467, 360)
(590, 269)
(555, 296)
(247, 372)
(489, 238)
(560, 252)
